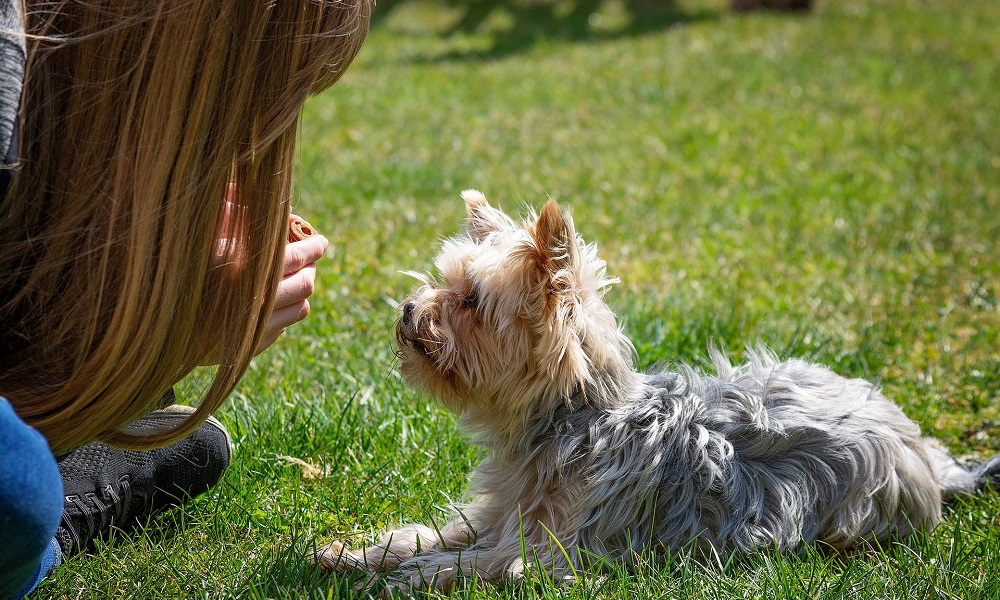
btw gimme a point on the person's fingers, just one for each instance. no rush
(291, 303)
(281, 319)
(296, 287)
(306, 252)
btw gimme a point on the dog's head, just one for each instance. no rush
(515, 321)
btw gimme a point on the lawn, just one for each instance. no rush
(827, 183)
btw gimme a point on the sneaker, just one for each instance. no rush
(109, 487)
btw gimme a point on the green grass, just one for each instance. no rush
(828, 183)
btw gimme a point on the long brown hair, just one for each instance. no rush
(137, 116)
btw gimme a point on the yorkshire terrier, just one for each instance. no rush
(588, 460)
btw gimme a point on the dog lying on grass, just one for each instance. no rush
(589, 460)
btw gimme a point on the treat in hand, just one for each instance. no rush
(299, 229)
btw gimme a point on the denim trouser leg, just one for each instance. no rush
(31, 504)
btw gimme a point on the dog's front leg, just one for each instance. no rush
(397, 546)
(443, 569)
(487, 560)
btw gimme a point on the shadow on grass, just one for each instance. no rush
(529, 22)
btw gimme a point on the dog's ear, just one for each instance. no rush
(482, 218)
(560, 349)
(555, 239)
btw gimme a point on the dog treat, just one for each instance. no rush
(299, 229)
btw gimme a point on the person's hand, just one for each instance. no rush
(291, 304)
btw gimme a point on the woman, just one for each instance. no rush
(143, 232)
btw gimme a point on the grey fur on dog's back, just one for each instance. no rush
(769, 454)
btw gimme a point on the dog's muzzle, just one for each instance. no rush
(406, 330)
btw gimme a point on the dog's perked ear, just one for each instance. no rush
(555, 239)
(560, 348)
(482, 218)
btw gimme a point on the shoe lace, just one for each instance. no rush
(99, 514)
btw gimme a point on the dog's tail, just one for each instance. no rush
(957, 479)
(987, 473)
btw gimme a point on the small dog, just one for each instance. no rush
(589, 460)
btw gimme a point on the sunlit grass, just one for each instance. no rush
(826, 183)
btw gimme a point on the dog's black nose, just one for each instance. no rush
(407, 313)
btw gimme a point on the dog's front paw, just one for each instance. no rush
(424, 578)
(335, 558)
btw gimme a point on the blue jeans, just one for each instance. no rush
(31, 504)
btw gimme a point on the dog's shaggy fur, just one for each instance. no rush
(587, 458)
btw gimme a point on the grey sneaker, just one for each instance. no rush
(109, 487)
